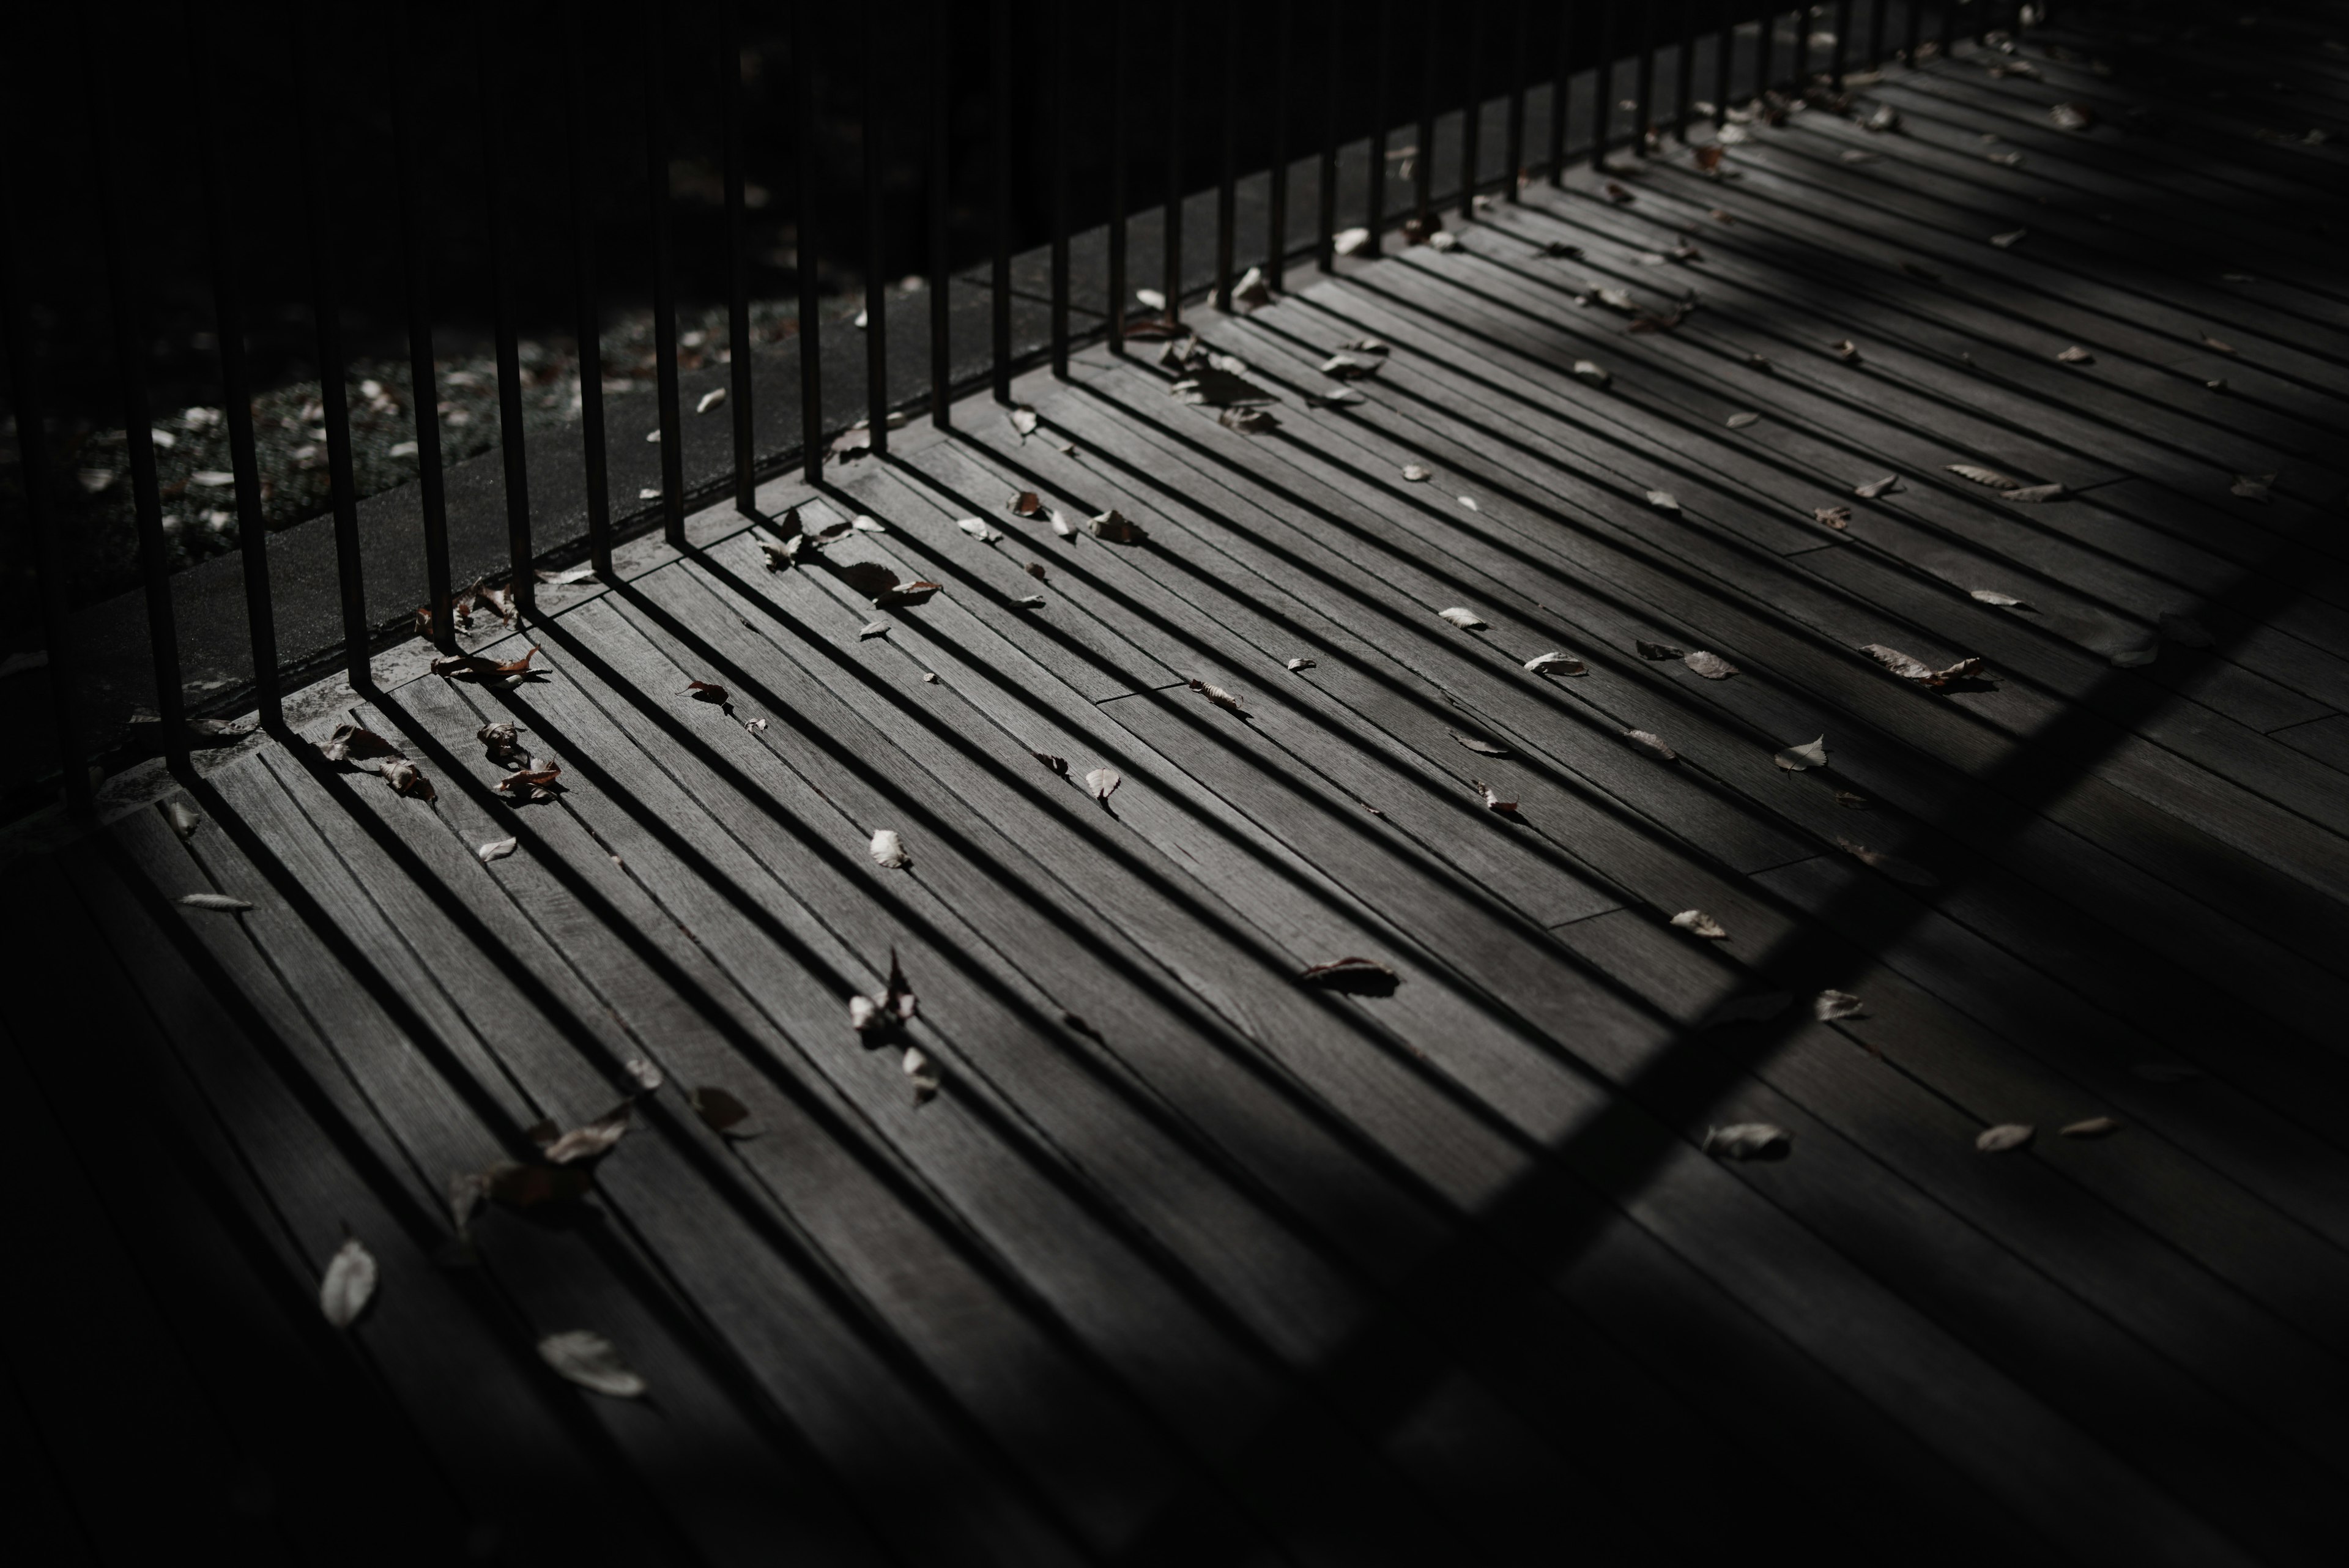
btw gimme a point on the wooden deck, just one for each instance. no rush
(1188, 1262)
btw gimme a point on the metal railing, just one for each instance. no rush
(1302, 51)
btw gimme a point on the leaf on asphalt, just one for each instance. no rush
(2004, 1136)
(585, 1143)
(1748, 1140)
(1696, 922)
(1102, 782)
(1556, 664)
(1247, 421)
(1795, 759)
(2009, 240)
(1993, 596)
(1663, 501)
(2253, 486)
(1304, 664)
(920, 1072)
(1479, 744)
(978, 530)
(895, 1005)
(1916, 670)
(1833, 516)
(2075, 355)
(1660, 651)
(1980, 475)
(1416, 473)
(710, 400)
(1354, 976)
(220, 901)
(721, 1112)
(1653, 744)
(888, 850)
(2093, 1126)
(648, 1076)
(526, 1186)
(1023, 420)
(1591, 371)
(884, 587)
(1739, 421)
(1892, 866)
(1465, 619)
(1829, 1005)
(2184, 631)
(349, 1284)
(497, 849)
(586, 1357)
(1217, 695)
(1876, 487)
(1493, 802)
(1711, 666)
(1112, 526)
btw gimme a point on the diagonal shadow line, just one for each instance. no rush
(1766, 563)
(493, 1304)
(1682, 1083)
(1030, 1145)
(1801, 632)
(660, 1293)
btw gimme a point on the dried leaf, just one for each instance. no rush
(2030, 493)
(1304, 664)
(1916, 670)
(1892, 866)
(719, 1111)
(1980, 475)
(1556, 664)
(888, 850)
(1711, 666)
(1708, 159)
(586, 1143)
(1479, 744)
(349, 1284)
(1026, 503)
(1851, 802)
(1465, 619)
(1796, 759)
(872, 628)
(2253, 486)
(1747, 1141)
(1993, 596)
(1696, 922)
(356, 747)
(1876, 487)
(1354, 976)
(1023, 420)
(2009, 240)
(868, 526)
(2137, 655)
(648, 1077)
(978, 530)
(1416, 473)
(593, 1362)
(1619, 193)
(1113, 526)
(1739, 421)
(884, 587)
(895, 1005)
(1652, 744)
(920, 1072)
(497, 849)
(2075, 355)
(1660, 651)
(1217, 695)
(1663, 501)
(708, 692)
(1830, 1005)
(1846, 350)
(221, 901)
(1058, 765)
(2004, 1136)
(183, 817)
(477, 667)
(1340, 398)
(1247, 421)
(1589, 370)
(710, 400)
(2072, 116)
(1350, 367)
(535, 781)
(1349, 242)
(2210, 342)
(1833, 516)
(1102, 782)
(2094, 1127)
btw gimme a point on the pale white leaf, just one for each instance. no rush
(1739, 421)
(1591, 371)
(349, 1283)
(1349, 242)
(1217, 695)
(1980, 475)
(1663, 501)
(497, 849)
(710, 400)
(1350, 367)
(648, 1076)
(1416, 473)
(2004, 1136)
(2030, 493)
(1993, 596)
(183, 817)
(212, 478)
(888, 850)
(1876, 487)
(584, 1143)
(868, 526)
(872, 628)
(1696, 922)
(1469, 501)
(1062, 527)
(588, 1358)
(1150, 299)
(1556, 664)
(1493, 802)
(1465, 619)
(2075, 355)
(1102, 782)
(1304, 664)
(1653, 744)
(1031, 601)
(1023, 420)
(2092, 1127)
(2009, 240)
(1711, 666)
(1795, 759)
(920, 1072)
(1746, 1140)
(977, 530)
(1830, 1005)
(213, 901)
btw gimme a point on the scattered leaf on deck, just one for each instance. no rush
(1247, 421)
(1892, 866)
(1795, 759)
(719, 1111)
(1349, 242)
(1711, 666)
(1739, 421)
(1479, 744)
(1304, 664)
(1026, 503)
(872, 628)
(978, 530)
(1465, 619)
(1058, 765)
(1023, 420)
(2009, 240)
(2030, 493)
(1217, 695)
(1556, 664)
(1663, 501)
(1830, 1005)
(497, 849)
(1660, 651)
(648, 1077)
(1350, 367)
(1591, 371)
(1653, 744)
(1493, 802)
(1113, 526)
(1993, 596)
(586, 1357)
(2004, 1136)
(781, 557)
(1981, 476)
(888, 850)
(1747, 1141)
(1916, 670)
(1356, 976)
(1696, 922)
(585, 1143)
(2210, 342)
(1846, 350)
(706, 692)
(1833, 516)
(1851, 802)
(1416, 473)
(710, 400)
(920, 1072)
(884, 587)
(183, 817)
(1619, 193)
(1104, 783)
(2072, 116)
(221, 901)
(1876, 487)
(895, 1005)
(349, 1284)
(2093, 1126)
(2075, 355)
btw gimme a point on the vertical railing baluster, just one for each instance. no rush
(489, 83)
(672, 418)
(1227, 180)
(1684, 74)
(40, 519)
(1276, 219)
(1002, 100)
(1471, 117)
(1602, 86)
(1842, 43)
(805, 196)
(1912, 12)
(1513, 158)
(586, 312)
(1875, 20)
(1064, 24)
(1374, 219)
(1422, 185)
(1643, 124)
(416, 277)
(326, 321)
(874, 133)
(1325, 227)
(1724, 60)
(737, 261)
(1170, 254)
(1120, 121)
(1802, 66)
(236, 383)
(941, 191)
(1560, 97)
